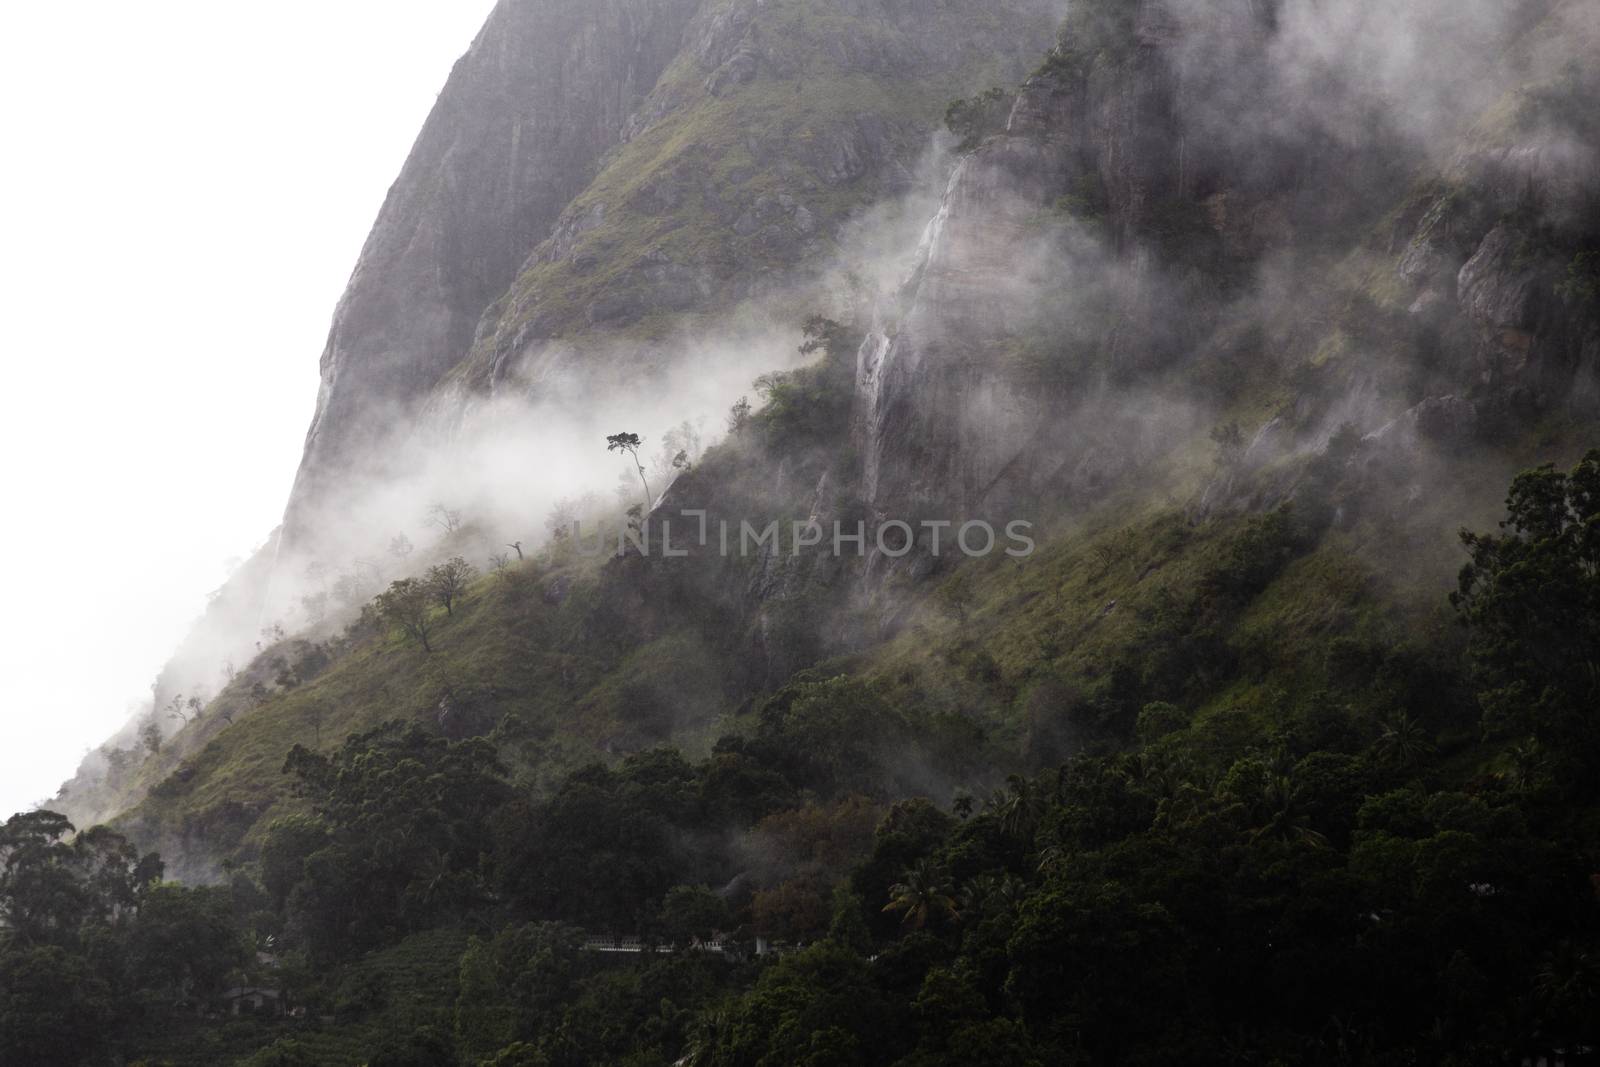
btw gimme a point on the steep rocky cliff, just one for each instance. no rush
(545, 90)
(1201, 262)
(1123, 157)
(591, 165)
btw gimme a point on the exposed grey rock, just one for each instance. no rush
(1446, 419)
(545, 90)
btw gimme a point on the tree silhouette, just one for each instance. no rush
(445, 518)
(408, 604)
(630, 443)
(925, 894)
(449, 580)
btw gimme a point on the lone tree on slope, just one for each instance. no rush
(407, 604)
(630, 443)
(449, 580)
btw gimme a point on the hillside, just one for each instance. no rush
(1245, 311)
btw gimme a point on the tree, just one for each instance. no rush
(426, 1047)
(42, 899)
(517, 546)
(445, 518)
(562, 518)
(680, 448)
(693, 913)
(53, 1007)
(408, 604)
(739, 416)
(400, 548)
(150, 735)
(290, 841)
(449, 580)
(925, 895)
(974, 119)
(284, 1052)
(1403, 741)
(1531, 596)
(184, 940)
(351, 588)
(630, 443)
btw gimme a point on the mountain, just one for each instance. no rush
(1225, 317)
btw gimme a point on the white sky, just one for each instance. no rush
(184, 188)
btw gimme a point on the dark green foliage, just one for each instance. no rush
(1332, 876)
(1581, 287)
(809, 409)
(407, 825)
(693, 913)
(978, 117)
(425, 1047)
(1532, 598)
(285, 1052)
(185, 941)
(54, 1008)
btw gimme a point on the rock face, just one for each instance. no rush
(545, 90)
(596, 174)
(936, 422)
(1119, 161)
(594, 162)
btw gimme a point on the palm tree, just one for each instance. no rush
(1283, 820)
(989, 893)
(706, 1034)
(1019, 807)
(1527, 760)
(926, 895)
(1403, 741)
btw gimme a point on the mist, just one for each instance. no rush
(186, 218)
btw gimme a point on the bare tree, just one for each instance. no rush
(445, 518)
(630, 443)
(408, 604)
(449, 580)
(401, 547)
(500, 561)
(518, 546)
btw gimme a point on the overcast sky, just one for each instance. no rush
(185, 186)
